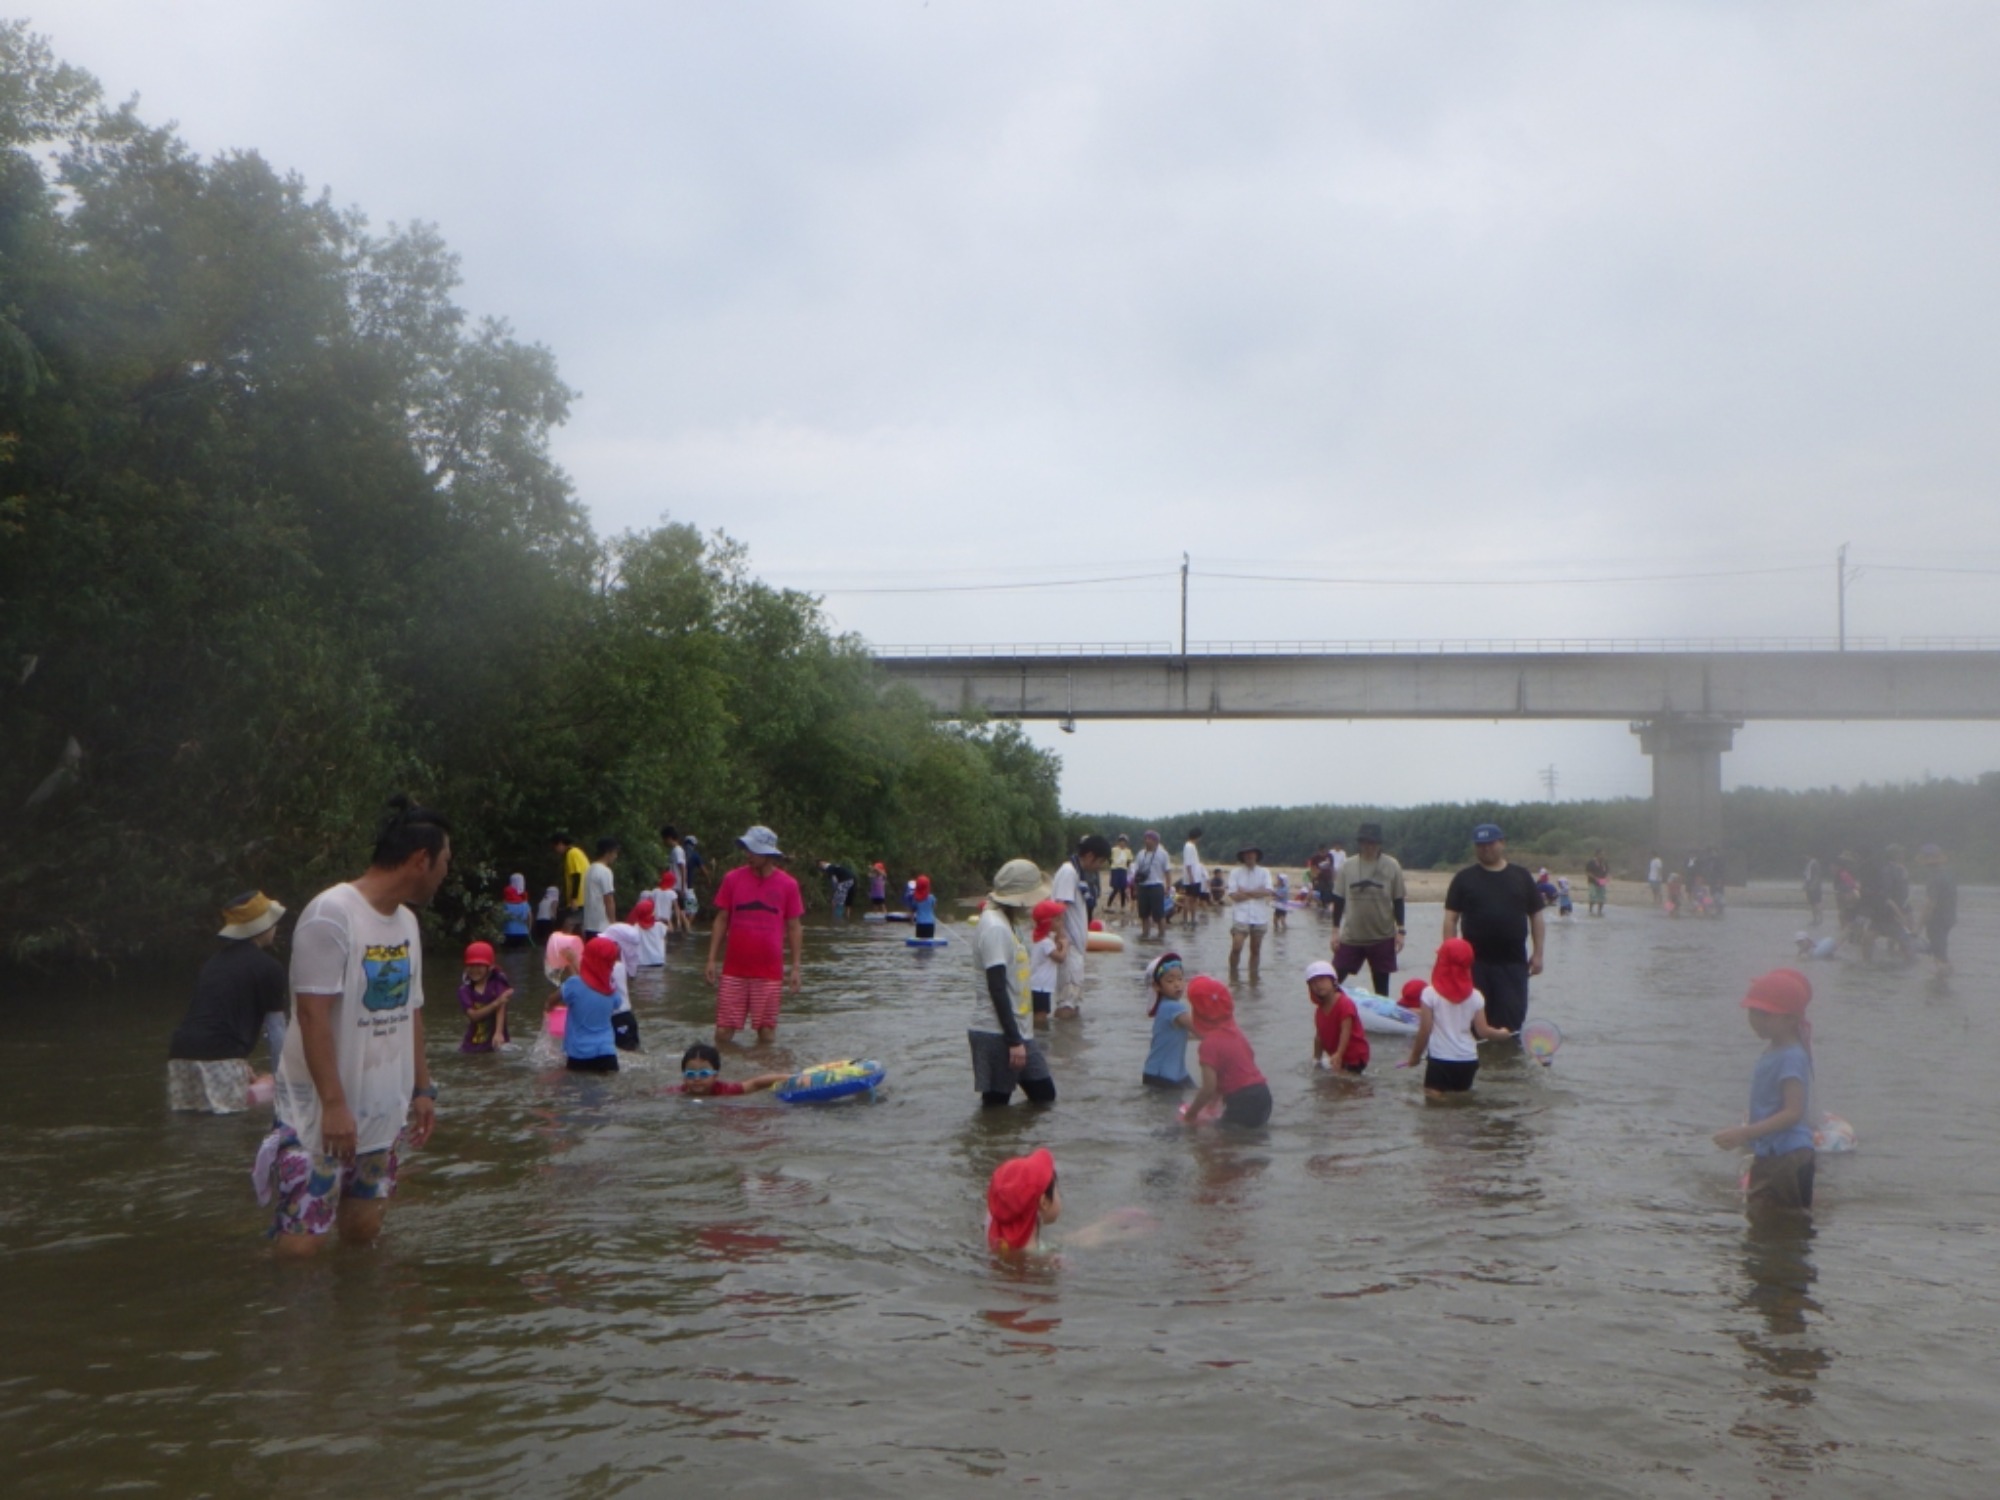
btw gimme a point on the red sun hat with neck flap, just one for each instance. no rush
(1014, 1199)
(1211, 1002)
(1451, 975)
(600, 957)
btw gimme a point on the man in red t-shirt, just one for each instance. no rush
(758, 908)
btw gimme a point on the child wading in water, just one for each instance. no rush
(1453, 1025)
(1020, 1199)
(1781, 1172)
(1228, 1066)
(701, 1075)
(1166, 1063)
(591, 994)
(1338, 1040)
(1048, 946)
(923, 907)
(483, 993)
(520, 917)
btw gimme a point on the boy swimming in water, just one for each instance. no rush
(701, 1076)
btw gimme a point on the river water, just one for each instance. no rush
(590, 1287)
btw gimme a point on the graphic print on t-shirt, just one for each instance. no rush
(387, 967)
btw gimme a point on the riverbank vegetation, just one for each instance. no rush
(280, 533)
(1771, 833)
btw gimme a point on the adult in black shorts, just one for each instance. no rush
(1495, 907)
(1151, 871)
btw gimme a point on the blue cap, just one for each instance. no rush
(1487, 833)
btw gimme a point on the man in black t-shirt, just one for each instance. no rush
(1495, 907)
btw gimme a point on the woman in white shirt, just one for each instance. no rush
(1251, 899)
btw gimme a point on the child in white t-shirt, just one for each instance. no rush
(1453, 1025)
(1048, 947)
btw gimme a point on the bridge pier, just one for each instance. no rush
(1687, 781)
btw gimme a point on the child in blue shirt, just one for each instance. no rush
(519, 915)
(1779, 1130)
(1166, 1064)
(592, 996)
(923, 907)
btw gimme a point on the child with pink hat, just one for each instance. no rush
(1779, 1131)
(1048, 947)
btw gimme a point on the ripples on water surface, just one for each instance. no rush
(591, 1288)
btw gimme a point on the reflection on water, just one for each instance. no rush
(594, 1286)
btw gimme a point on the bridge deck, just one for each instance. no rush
(1627, 685)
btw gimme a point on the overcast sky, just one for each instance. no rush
(905, 295)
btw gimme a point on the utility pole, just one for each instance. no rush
(1548, 775)
(1840, 574)
(1184, 581)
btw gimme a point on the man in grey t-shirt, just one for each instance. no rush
(1369, 911)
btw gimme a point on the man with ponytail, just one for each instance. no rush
(352, 1084)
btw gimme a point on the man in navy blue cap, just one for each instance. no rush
(1495, 907)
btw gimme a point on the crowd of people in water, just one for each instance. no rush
(351, 1087)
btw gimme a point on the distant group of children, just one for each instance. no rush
(1022, 1199)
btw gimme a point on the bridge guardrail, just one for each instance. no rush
(1525, 646)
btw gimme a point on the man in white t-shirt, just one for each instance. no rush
(352, 1084)
(1251, 899)
(600, 890)
(1093, 853)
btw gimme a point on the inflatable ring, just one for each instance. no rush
(1379, 1014)
(1104, 942)
(830, 1080)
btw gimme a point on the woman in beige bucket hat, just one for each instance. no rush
(1005, 1054)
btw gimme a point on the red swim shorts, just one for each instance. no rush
(739, 1000)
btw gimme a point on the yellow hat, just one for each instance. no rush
(249, 914)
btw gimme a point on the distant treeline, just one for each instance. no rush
(1772, 832)
(280, 534)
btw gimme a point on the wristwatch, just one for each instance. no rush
(428, 1091)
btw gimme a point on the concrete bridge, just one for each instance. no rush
(1684, 699)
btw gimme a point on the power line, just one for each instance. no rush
(988, 588)
(1378, 581)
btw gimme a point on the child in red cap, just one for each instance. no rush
(1779, 1131)
(1338, 1040)
(1453, 1025)
(483, 993)
(1020, 1199)
(1228, 1067)
(1048, 946)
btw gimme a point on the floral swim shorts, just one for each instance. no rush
(304, 1190)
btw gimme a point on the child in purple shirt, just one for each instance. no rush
(483, 993)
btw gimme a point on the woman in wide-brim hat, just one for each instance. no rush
(1005, 1054)
(240, 992)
